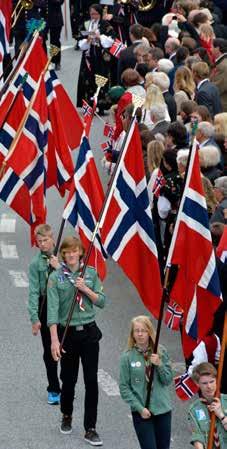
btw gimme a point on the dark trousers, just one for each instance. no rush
(55, 34)
(50, 364)
(153, 433)
(78, 345)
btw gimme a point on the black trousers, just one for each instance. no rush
(82, 345)
(50, 364)
(55, 34)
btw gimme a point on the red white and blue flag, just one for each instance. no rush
(28, 158)
(117, 48)
(196, 288)
(173, 316)
(84, 205)
(88, 113)
(126, 226)
(5, 24)
(158, 184)
(222, 246)
(108, 130)
(185, 387)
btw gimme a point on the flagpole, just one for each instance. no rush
(158, 332)
(219, 377)
(138, 102)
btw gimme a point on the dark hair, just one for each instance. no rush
(188, 106)
(189, 43)
(96, 7)
(216, 230)
(202, 52)
(142, 69)
(156, 53)
(130, 77)
(170, 157)
(199, 19)
(181, 54)
(156, 29)
(204, 112)
(136, 30)
(221, 44)
(179, 134)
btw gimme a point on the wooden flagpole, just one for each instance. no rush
(219, 376)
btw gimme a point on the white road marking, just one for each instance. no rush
(107, 383)
(8, 251)
(19, 278)
(7, 224)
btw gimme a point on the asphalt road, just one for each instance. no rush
(26, 421)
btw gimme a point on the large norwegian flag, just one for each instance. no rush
(60, 164)
(27, 155)
(127, 229)
(222, 246)
(5, 24)
(28, 73)
(196, 288)
(84, 205)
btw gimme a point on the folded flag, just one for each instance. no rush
(117, 48)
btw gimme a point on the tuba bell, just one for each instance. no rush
(22, 4)
(142, 5)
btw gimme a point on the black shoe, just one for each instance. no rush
(92, 437)
(66, 424)
(57, 67)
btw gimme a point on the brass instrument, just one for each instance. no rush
(22, 4)
(143, 5)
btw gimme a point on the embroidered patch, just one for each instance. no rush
(200, 415)
(61, 278)
(133, 364)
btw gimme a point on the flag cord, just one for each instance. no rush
(157, 337)
(219, 376)
(102, 214)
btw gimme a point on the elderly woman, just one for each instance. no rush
(220, 191)
(96, 58)
(152, 423)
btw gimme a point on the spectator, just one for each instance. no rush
(127, 57)
(184, 86)
(209, 157)
(220, 191)
(165, 65)
(155, 150)
(131, 81)
(177, 137)
(162, 81)
(219, 74)
(181, 55)
(171, 46)
(207, 93)
(205, 134)
(153, 57)
(158, 114)
(153, 97)
(140, 52)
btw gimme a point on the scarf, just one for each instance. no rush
(68, 274)
(146, 355)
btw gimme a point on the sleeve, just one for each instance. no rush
(199, 356)
(52, 301)
(84, 45)
(98, 288)
(124, 385)
(34, 293)
(196, 434)
(164, 207)
(165, 372)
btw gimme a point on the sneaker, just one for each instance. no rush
(92, 437)
(66, 424)
(53, 398)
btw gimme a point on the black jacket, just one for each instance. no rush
(208, 95)
(171, 105)
(127, 60)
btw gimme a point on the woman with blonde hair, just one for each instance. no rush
(220, 123)
(153, 97)
(184, 86)
(153, 423)
(155, 150)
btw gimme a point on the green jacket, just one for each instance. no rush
(38, 272)
(199, 421)
(60, 294)
(133, 384)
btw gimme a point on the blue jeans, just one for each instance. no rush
(153, 433)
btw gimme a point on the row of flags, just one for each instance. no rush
(36, 141)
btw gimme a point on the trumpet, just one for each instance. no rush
(22, 4)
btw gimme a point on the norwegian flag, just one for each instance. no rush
(60, 164)
(71, 119)
(185, 387)
(117, 48)
(158, 184)
(126, 226)
(196, 288)
(222, 247)
(88, 113)
(108, 130)
(107, 146)
(84, 205)
(173, 316)
(15, 194)
(5, 24)
(28, 158)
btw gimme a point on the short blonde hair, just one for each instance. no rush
(71, 243)
(43, 230)
(220, 123)
(201, 69)
(143, 319)
(203, 369)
